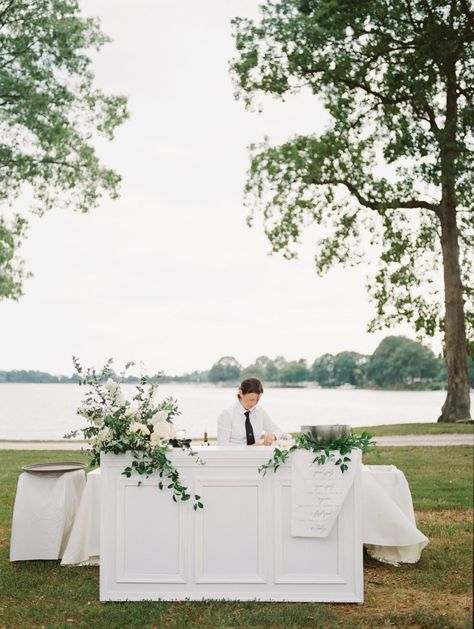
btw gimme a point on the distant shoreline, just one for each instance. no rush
(268, 385)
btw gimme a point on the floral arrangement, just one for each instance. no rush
(140, 426)
(324, 452)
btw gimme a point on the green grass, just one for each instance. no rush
(436, 593)
(439, 478)
(385, 430)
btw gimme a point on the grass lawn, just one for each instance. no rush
(436, 593)
(385, 430)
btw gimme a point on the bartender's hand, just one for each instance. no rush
(267, 440)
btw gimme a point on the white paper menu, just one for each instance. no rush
(317, 493)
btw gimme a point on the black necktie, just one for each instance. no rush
(249, 429)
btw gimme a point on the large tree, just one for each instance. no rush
(226, 369)
(400, 361)
(394, 169)
(50, 112)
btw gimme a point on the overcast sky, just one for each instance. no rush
(170, 274)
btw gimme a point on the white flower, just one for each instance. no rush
(133, 410)
(119, 399)
(138, 427)
(162, 429)
(104, 434)
(172, 431)
(155, 439)
(159, 417)
(115, 392)
(112, 386)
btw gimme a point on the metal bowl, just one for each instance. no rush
(325, 433)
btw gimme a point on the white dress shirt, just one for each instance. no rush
(231, 425)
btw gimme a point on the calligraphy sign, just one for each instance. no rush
(317, 494)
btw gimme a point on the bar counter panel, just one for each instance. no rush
(238, 547)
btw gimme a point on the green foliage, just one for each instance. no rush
(12, 272)
(35, 376)
(225, 369)
(349, 368)
(141, 427)
(385, 72)
(324, 452)
(294, 371)
(344, 368)
(323, 370)
(398, 360)
(263, 368)
(50, 111)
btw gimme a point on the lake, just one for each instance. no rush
(48, 411)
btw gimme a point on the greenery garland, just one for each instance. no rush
(324, 452)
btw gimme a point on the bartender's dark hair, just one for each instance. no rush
(250, 385)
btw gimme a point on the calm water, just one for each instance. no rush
(47, 411)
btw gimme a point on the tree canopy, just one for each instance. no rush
(50, 112)
(225, 369)
(294, 371)
(394, 169)
(398, 360)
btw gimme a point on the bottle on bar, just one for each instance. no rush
(206, 440)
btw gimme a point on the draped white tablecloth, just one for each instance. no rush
(44, 513)
(84, 541)
(388, 521)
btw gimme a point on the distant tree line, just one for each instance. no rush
(35, 376)
(398, 362)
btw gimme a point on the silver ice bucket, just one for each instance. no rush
(326, 433)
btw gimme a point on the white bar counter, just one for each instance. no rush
(238, 547)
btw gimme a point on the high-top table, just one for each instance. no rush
(44, 513)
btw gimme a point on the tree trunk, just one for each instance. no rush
(457, 404)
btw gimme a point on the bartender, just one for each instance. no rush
(246, 423)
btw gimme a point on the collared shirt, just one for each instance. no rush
(231, 425)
